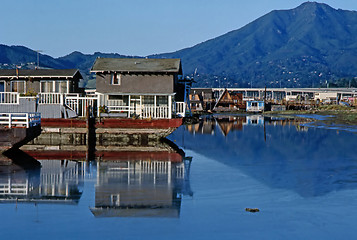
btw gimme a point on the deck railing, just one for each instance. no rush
(80, 104)
(20, 119)
(51, 98)
(155, 112)
(180, 109)
(120, 109)
(10, 188)
(9, 97)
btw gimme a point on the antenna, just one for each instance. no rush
(38, 57)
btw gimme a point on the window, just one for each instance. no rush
(46, 86)
(60, 86)
(115, 79)
(161, 100)
(148, 100)
(18, 86)
(254, 104)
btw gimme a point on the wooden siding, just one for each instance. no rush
(131, 83)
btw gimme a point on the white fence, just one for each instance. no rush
(80, 104)
(20, 119)
(51, 98)
(9, 97)
(10, 188)
(159, 112)
(180, 109)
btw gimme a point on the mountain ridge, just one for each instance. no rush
(301, 47)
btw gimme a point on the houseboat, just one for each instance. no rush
(52, 92)
(133, 96)
(139, 88)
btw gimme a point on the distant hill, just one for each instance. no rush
(302, 47)
(12, 56)
(19, 55)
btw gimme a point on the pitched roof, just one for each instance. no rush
(39, 73)
(137, 65)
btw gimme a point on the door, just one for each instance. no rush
(135, 104)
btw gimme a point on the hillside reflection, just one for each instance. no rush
(277, 152)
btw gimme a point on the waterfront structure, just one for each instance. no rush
(255, 106)
(229, 101)
(277, 96)
(201, 99)
(139, 87)
(52, 92)
(33, 81)
(286, 94)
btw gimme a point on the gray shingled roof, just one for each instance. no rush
(137, 65)
(39, 73)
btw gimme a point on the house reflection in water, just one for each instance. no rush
(54, 182)
(225, 124)
(142, 184)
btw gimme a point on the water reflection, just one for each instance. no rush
(142, 184)
(52, 182)
(278, 153)
(224, 124)
(131, 181)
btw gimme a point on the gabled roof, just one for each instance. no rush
(137, 65)
(39, 73)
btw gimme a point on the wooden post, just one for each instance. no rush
(170, 106)
(154, 115)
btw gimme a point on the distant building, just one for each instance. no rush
(255, 106)
(202, 99)
(230, 101)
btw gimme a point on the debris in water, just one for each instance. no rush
(253, 210)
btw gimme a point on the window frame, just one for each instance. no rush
(17, 87)
(115, 78)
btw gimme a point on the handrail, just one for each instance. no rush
(20, 119)
(9, 97)
(180, 109)
(51, 98)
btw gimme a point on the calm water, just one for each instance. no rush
(303, 180)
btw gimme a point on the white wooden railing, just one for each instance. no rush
(80, 104)
(159, 112)
(180, 109)
(20, 119)
(9, 97)
(51, 98)
(120, 109)
(10, 188)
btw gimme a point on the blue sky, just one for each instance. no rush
(130, 27)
